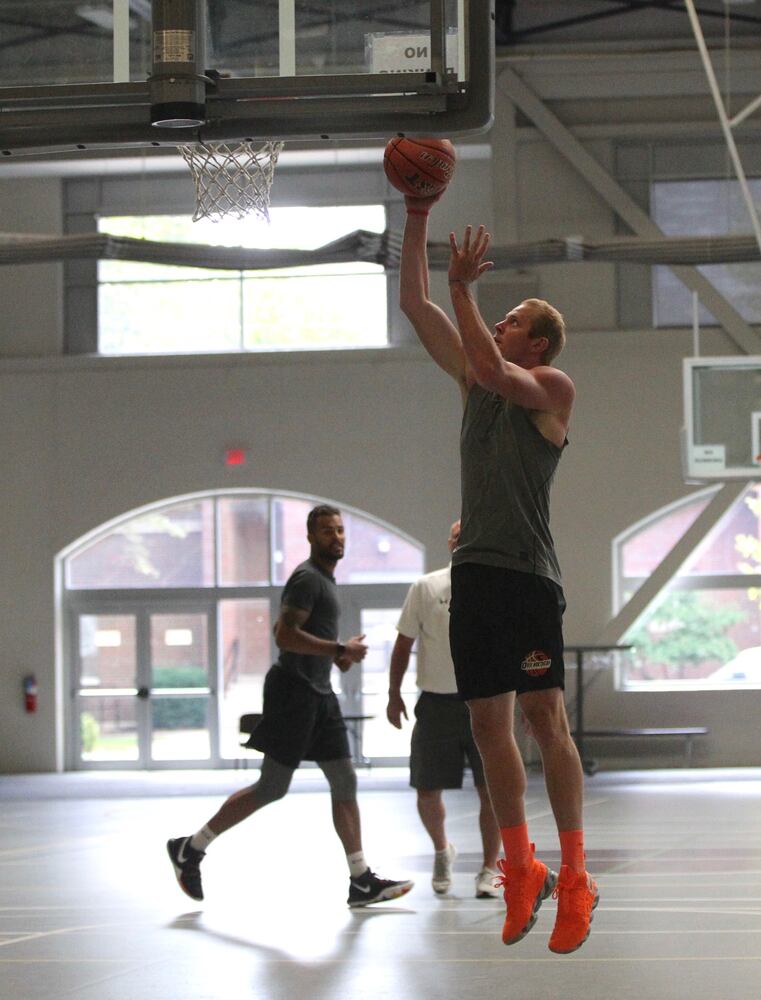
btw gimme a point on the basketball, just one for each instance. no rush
(420, 168)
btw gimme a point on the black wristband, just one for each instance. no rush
(340, 649)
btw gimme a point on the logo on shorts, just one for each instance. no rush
(537, 663)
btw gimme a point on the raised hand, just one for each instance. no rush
(466, 263)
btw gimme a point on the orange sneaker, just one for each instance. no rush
(525, 889)
(577, 896)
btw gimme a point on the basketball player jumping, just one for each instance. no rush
(507, 600)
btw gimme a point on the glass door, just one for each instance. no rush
(374, 612)
(108, 715)
(181, 724)
(143, 688)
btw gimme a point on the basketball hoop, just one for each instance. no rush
(231, 179)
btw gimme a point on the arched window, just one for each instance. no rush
(236, 539)
(704, 628)
(168, 615)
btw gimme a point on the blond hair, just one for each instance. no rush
(547, 321)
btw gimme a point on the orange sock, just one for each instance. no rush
(516, 844)
(572, 849)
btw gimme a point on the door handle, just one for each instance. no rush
(143, 693)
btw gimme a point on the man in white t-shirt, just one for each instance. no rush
(442, 741)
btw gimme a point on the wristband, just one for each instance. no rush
(417, 211)
(340, 649)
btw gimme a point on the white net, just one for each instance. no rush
(231, 179)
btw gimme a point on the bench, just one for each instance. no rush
(687, 733)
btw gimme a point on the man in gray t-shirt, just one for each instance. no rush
(312, 587)
(301, 719)
(507, 599)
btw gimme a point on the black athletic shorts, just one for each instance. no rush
(505, 631)
(298, 723)
(442, 743)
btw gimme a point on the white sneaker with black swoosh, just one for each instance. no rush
(186, 861)
(369, 888)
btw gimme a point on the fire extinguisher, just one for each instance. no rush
(30, 693)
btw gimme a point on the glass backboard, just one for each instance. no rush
(722, 415)
(84, 74)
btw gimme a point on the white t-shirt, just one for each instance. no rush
(425, 617)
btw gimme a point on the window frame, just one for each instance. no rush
(71, 604)
(171, 193)
(677, 584)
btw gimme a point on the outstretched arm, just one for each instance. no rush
(436, 331)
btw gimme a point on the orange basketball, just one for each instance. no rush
(419, 167)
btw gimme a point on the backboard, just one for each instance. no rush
(99, 74)
(722, 418)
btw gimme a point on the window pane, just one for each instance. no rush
(704, 208)
(168, 548)
(329, 38)
(243, 541)
(734, 545)
(374, 554)
(642, 552)
(316, 312)
(379, 738)
(108, 728)
(107, 657)
(180, 728)
(696, 635)
(299, 227)
(289, 534)
(245, 641)
(161, 229)
(174, 317)
(154, 308)
(179, 650)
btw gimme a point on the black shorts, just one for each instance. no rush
(298, 723)
(442, 743)
(505, 631)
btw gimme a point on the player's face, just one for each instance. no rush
(512, 335)
(327, 538)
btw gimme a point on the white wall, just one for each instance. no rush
(84, 440)
(31, 318)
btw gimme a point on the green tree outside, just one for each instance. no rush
(684, 635)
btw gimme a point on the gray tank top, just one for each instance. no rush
(507, 468)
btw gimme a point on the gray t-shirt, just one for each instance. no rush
(311, 588)
(507, 469)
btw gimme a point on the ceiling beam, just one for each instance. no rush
(623, 204)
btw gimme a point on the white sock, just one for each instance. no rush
(444, 853)
(201, 840)
(357, 864)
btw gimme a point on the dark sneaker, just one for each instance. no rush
(186, 861)
(369, 888)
